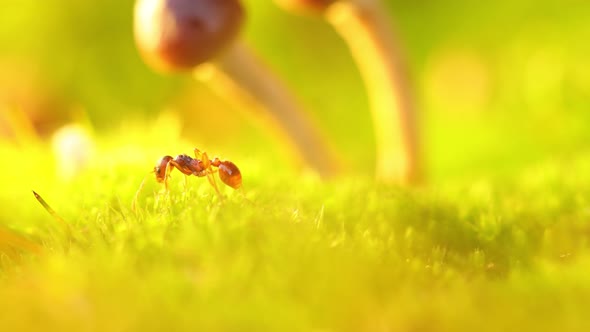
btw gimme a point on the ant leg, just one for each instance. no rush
(185, 183)
(167, 175)
(198, 154)
(208, 171)
(214, 184)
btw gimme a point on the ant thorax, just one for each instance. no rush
(187, 165)
(183, 159)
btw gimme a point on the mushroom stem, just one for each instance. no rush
(366, 29)
(240, 74)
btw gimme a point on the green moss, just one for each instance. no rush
(291, 253)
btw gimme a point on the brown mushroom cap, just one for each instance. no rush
(176, 35)
(315, 6)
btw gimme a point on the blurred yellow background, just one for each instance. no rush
(499, 85)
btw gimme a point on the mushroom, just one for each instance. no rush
(201, 36)
(368, 32)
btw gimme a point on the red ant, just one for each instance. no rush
(199, 166)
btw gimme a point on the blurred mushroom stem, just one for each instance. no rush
(239, 75)
(19, 124)
(365, 27)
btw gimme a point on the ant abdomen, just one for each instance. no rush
(230, 174)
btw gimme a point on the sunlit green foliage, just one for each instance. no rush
(291, 253)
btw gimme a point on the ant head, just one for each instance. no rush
(161, 167)
(230, 174)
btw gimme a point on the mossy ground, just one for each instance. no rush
(291, 253)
